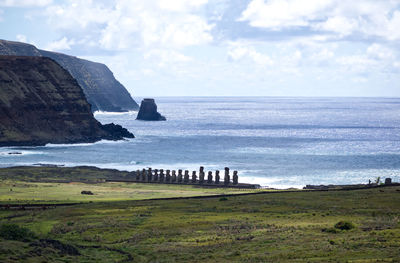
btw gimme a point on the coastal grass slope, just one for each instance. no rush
(19, 192)
(317, 226)
(57, 185)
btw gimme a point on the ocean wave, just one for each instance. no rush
(114, 113)
(53, 145)
(272, 182)
(18, 152)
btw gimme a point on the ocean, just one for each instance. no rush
(273, 141)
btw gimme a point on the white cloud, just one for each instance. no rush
(276, 14)
(356, 63)
(164, 57)
(62, 44)
(322, 55)
(370, 18)
(377, 51)
(166, 43)
(22, 38)
(77, 15)
(123, 24)
(24, 3)
(239, 51)
(359, 79)
(393, 26)
(180, 5)
(338, 24)
(375, 59)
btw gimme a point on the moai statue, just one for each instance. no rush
(194, 177)
(161, 175)
(227, 177)
(149, 175)
(235, 177)
(173, 179)
(209, 178)
(137, 175)
(143, 175)
(201, 175)
(168, 176)
(156, 175)
(216, 177)
(180, 176)
(186, 177)
(388, 181)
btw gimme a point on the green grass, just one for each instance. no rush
(278, 227)
(33, 192)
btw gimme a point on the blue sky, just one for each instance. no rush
(221, 47)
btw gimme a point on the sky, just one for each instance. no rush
(223, 47)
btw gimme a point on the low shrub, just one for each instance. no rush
(15, 232)
(344, 225)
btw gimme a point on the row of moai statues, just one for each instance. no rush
(156, 175)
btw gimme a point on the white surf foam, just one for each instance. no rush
(19, 152)
(53, 145)
(110, 113)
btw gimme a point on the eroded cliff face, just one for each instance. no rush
(102, 90)
(40, 102)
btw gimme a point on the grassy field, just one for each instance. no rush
(13, 192)
(64, 184)
(275, 227)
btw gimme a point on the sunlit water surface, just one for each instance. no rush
(278, 142)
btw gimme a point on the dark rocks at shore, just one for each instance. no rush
(40, 103)
(148, 111)
(102, 90)
(117, 131)
(388, 182)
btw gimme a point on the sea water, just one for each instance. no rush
(274, 141)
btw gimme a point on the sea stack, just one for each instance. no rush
(148, 111)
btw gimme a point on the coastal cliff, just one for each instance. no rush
(40, 102)
(98, 83)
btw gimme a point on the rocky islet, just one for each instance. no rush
(148, 111)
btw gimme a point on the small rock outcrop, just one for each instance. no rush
(40, 103)
(148, 111)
